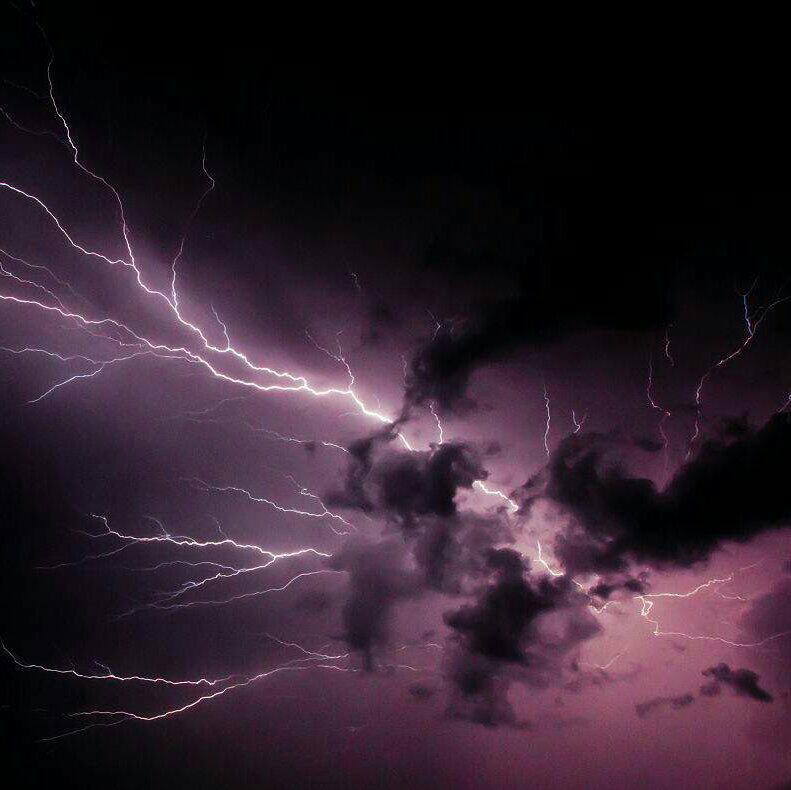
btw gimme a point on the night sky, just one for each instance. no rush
(384, 426)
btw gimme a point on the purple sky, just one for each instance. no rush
(439, 447)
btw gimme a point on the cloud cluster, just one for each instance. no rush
(744, 683)
(379, 575)
(405, 486)
(732, 490)
(518, 628)
(515, 627)
(542, 311)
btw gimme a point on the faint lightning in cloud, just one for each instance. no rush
(752, 321)
(549, 419)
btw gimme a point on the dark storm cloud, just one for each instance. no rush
(677, 703)
(546, 309)
(406, 485)
(606, 587)
(437, 548)
(415, 491)
(500, 639)
(743, 681)
(420, 484)
(452, 551)
(495, 626)
(731, 490)
(378, 577)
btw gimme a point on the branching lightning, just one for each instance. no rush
(752, 321)
(184, 339)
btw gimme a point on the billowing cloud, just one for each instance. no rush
(406, 485)
(379, 575)
(542, 311)
(731, 490)
(744, 682)
(517, 629)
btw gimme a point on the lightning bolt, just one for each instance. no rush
(578, 424)
(649, 391)
(668, 355)
(647, 605)
(549, 419)
(752, 321)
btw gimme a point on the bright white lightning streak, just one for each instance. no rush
(112, 676)
(100, 367)
(647, 605)
(224, 328)
(310, 654)
(438, 421)
(285, 381)
(191, 586)
(297, 383)
(324, 513)
(752, 322)
(545, 563)
(51, 354)
(186, 564)
(182, 541)
(481, 486)
(578, 424)
(668, 355)
(556, 574)
(22, 281)
(39, 267)
(131, 716)
(549, 419)
(233, 598)
(293, 440)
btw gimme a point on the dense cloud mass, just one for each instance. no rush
(415, 493)
(731, 490)
(378, 577)
(406, 485)
(518, 629)
(744, 683)
(545, 311)
(437, 546)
